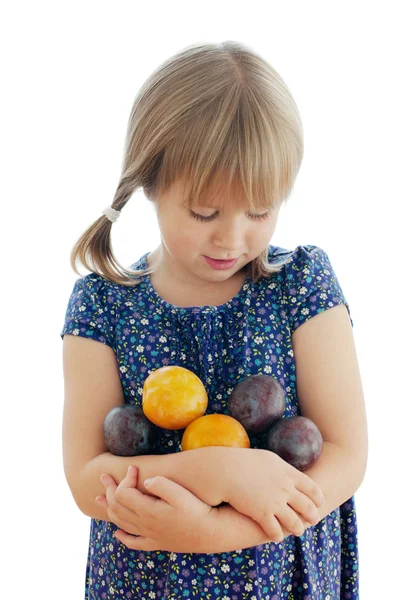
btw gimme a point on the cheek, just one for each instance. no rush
(186, 241)
(261, 236)
(183, 236)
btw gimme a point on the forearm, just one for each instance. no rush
(196, 470)
(338, 474)
(235, 531)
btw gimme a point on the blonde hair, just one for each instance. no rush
(210, 109)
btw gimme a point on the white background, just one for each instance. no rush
(70, 71)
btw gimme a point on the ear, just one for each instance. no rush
(149, 194)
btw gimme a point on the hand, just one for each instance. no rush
(266, 488)
(177, 521)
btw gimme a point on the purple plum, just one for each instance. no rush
(127, 431)
(257, 402)
(295, 439)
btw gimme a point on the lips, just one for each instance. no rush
(221, 264)
(223, 259)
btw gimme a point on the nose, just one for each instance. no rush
(229, 235)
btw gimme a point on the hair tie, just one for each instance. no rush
(111, 213)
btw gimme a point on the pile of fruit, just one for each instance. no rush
(175, 398)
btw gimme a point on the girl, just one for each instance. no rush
(215, 141)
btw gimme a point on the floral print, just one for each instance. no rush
(249, 334)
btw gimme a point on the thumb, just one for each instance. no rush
(173, 493)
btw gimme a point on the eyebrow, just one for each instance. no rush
(217, 209)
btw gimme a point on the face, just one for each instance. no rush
(188, 236)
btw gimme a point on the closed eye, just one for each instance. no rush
(211, 217)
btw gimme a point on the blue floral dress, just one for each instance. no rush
(249, 334)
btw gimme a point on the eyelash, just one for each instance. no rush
(202, 218)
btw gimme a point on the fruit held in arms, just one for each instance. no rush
(257, 402)
(215, 430)
(295, 439)
(127, 431)
(173, 397)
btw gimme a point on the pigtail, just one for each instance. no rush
(94, 249)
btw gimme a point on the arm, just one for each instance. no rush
(196, 470)
(330, 394)
(92, 389)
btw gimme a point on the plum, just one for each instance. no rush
(127, 431)
(295, 439)
(257, 402)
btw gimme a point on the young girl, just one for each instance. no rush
(215, 141)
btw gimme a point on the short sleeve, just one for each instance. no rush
(311, 285)
(88, 311)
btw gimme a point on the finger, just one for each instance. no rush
(291, 521)
(102, 501)
(303, 505)
(107, 480)
(123, 513)
(135, 543)
(307, 486)
(110, 487)
(129, 482)
(305, 523)
(129, 501)
(131, 478)
(117, 512)
(272, 528)
(172, 493)
(130, 526)
(134, 500)
(110, 490)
